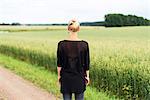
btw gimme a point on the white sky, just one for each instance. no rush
(61, 11)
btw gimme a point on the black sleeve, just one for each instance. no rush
(59, 55)
(87, 57)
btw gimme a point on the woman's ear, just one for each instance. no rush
(78, 29)
(68, 31)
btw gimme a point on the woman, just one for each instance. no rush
(73, 62)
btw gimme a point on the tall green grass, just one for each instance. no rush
(45, 79)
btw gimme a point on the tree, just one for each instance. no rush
(118, 20)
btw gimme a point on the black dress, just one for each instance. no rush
(73, 57)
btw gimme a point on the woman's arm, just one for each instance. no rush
(87, 73)
(59, 61)
(87, 77)
(58, 72)
(87, 63)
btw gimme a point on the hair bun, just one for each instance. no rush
(73, 25)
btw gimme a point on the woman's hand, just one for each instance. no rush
(58, 80)
(87, 80)
(87, 77)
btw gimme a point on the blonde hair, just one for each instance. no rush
(73, 25)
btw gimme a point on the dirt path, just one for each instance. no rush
(13, 87)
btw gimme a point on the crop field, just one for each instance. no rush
(119, 57)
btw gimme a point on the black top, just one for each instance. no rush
(73, 57)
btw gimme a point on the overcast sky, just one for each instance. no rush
(61, 11)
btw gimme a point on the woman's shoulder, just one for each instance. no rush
(60, 42)
(65, 40)
(85, 41)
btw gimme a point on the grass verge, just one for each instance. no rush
(45, 79)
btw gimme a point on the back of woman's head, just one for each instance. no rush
(73, 25)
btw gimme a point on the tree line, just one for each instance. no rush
(10, 24)
(118, 20)
(111, 20)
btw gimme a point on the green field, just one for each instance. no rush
(120, 57)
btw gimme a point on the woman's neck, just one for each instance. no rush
(73, 36)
